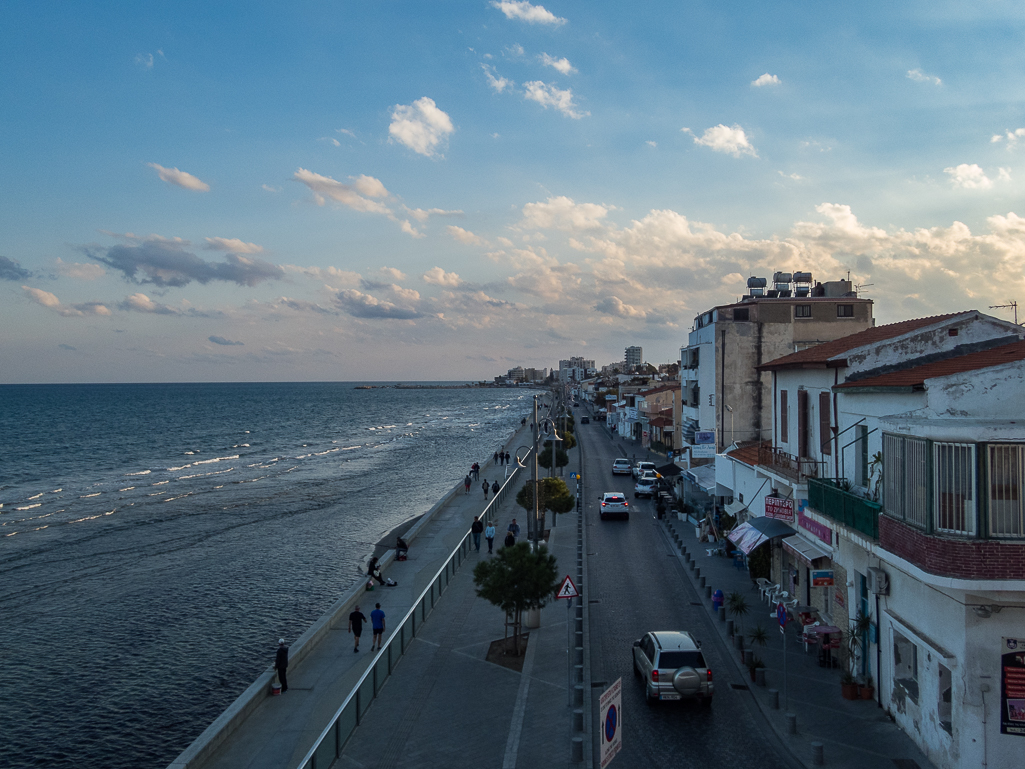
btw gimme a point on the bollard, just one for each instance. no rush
(701, 582)
(578, 750)
(738, 641)
(749, 657)
(760, 676)
(578, 695)
(578, 655)
(708, 592)
(578, 674)
(729, 625)
(817, 757)
(722, 613)
(697, 572)
(578, 720)
(791, 723)
(774, 699)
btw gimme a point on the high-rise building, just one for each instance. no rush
(634, 356)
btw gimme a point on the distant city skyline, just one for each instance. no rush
(258, 192)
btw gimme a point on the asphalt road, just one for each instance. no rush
(635, 583)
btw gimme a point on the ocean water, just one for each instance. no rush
(156, 540)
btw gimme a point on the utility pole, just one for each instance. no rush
(532, 528)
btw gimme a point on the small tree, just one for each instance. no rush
(544, 458)
(517, 580)
(554, 495)
(736, 604)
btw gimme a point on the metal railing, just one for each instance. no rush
(795, 468)
(858, 513)
(328, 747)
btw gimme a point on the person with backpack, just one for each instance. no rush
(476, 528)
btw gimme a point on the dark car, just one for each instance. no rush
(585, 421)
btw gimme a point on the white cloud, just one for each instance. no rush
(142, 303)
(514, 51)
(331, 140)
(766, 79)
(50, 301)
(345, 131)
(464, 236)
(180, 178)
(144, 60)
(420, 126)
(410, 230)
(969, 177)
(613, 305)
(269, 188)
(39, 296)
(562, 65)
(524, 11)
(422, 215)
(369, 186)
(324, 187)
(920, 77)
(393, 273)
(497, 82)
(651, 144)
(795, 177)
(80, 271)
(1011, 137)
(438, 277)
(550, 96)
(729, 139)
(232, 246)
(562, 213)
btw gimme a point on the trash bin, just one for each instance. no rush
(717, 600)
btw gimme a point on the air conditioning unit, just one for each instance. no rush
(878, 581)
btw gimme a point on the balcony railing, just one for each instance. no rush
(795, 468)
(854, 512)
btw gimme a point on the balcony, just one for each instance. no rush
(794, 468)
(854, 512)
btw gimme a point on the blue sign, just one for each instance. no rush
(611, 722)
(781, 615)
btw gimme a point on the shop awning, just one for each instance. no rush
(748, 536)
(703, 476)
(805, 549)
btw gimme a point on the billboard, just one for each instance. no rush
(1012, 686)
(780, 509)
(704, 444)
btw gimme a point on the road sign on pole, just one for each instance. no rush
(567, 589)
(782, 616)
(610, 707)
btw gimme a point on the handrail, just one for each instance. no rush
(309, 761)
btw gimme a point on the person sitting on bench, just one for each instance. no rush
(401, 549)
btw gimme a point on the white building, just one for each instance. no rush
(899, 455)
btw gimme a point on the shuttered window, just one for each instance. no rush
(802, 423)
(784, 418)
(825, 434)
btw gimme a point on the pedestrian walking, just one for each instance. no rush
(374, 572)
(495, 458)
(487, 487)
(507, 455)
(494, 489)
(377, 623)
(356, 620)
(476, 528)
(281, 664)
(466, 484)
(510, 540)
(476, 471)
(489, 535)
(514, 529)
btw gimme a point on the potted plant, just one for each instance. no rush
(736, 605)
(756, 662)
(848, 686)
(852, 641)
(868, 691)
(758, 636)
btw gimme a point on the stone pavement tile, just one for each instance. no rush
(856, 734)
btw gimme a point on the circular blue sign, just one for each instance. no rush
(611, 722)
(781, 614)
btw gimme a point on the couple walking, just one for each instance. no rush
(493, 488)
(477, 528)
(356, 620)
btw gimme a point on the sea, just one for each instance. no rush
(157, 539)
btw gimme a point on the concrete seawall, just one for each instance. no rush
(203, 749)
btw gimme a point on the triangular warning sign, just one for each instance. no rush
(568, 589)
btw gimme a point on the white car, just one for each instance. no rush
(614, 504)
(645, 487)
(621, 467)
(643, 467)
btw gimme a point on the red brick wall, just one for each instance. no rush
(948, 557)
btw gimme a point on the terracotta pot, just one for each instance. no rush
(868, 692)
(849, 691)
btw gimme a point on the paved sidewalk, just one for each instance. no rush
(855, 733)
(446, 706)
(279, 732)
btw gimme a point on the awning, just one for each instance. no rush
(805, 549)
(748, 536)
(704, 477)
(734, 508)
(668, 470)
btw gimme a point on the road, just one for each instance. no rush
(635, 583)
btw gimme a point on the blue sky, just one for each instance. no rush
(392, 190)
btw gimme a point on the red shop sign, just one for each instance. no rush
(779, 508)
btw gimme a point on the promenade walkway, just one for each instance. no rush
(277, 732)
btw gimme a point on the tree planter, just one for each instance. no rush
(849, 691)
(868, 692)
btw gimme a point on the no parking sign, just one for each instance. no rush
(611, 706)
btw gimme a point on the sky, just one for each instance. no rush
(343, 191)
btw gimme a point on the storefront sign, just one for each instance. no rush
(631, 413)
(779, 508)
(822, 578)
(704, 444)
(1012, 686)
(838, 596)
(820, 530)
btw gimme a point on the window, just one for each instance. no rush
(802, 310)
(905, 665)
(784, 418)
(954, 487)
(802, 423)
(861, 452)
(825, 433)
(1006, 477)
(742, 314)
(906, 479)
(845, 311)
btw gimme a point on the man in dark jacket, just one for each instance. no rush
(281, 664)
(476, 528)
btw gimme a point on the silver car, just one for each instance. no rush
(672, 667)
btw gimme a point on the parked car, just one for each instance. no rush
(645, 487)
(641, 467)
(614, 505)
(621, 467)
(672, 667)
(585, 420)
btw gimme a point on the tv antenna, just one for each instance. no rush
(1010, 303)
(858, 287)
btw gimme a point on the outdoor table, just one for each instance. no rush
(828, 644)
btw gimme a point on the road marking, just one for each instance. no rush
(512, 745)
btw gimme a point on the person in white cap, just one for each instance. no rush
(281, 664)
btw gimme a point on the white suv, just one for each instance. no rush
(672, 666)
(613, 503)
(643, 467)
